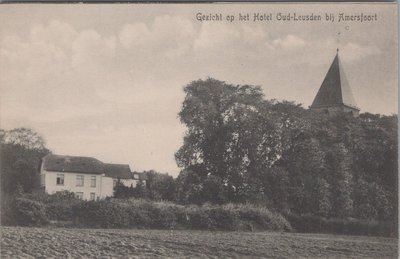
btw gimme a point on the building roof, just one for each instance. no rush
(87, 165)
(335, 90)
(78, 164)
(120, 171)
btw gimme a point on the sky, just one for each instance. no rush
(107, 80)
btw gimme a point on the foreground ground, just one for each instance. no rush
(19, 242)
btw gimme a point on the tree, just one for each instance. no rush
(341, 181)
(189, 187)
(239, 147)
(224, 136)
(160, 186)
(140, 190)
(122, 191)
(21, 153)
(24, 137)
(305, 163)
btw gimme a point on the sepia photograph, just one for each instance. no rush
(214, 130)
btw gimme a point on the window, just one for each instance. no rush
(79, 180)
(93, 181)
(79, 195)
(60, 179)
(92, 196)
(114, 183)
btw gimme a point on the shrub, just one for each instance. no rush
(163, 217)
(101, 214)
(138, 218)
(58, 205)
(140, 214)
(351, 226)
(65, 209)
(7, 217)
(137, 213)
(29, 213)
(223, 218)
(259, 217)
(195, 218)
(48, 198)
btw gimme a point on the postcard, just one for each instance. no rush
(199, 130)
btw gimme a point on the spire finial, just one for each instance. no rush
(338, 42)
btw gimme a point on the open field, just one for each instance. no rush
(18, 242)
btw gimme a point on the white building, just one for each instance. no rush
(87, 177)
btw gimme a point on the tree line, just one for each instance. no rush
(241, 147)
(20, 155)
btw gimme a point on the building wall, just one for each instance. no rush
(107, 187)
(104, 185)
(128, 182)
(70, 183)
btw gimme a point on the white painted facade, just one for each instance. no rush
(107, 187)
(93, 187)
(88, 178)
(90, 187)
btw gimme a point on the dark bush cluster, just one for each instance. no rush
(27, 212)
(240, 147)
(101, 214)
(37, 208)
(40, 209)
(165, 215)
(314, 224)
(58, 205)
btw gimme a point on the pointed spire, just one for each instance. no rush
(335, 90)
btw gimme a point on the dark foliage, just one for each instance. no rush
(25, 212)
(223, 219)
(38, 209)
(240, 147)
(122, 191)
(336, 173)
(314, 224)
(58, 205)
(100, 214)
(157, 187)
(20, 155)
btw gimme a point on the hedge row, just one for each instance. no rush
(166, 215)
(314, 224)
(42, 209)
(115, 213)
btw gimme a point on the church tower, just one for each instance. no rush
(335, 96)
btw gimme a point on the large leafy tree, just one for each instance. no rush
(159, 186)
(240, 147)
(20, 155)
(231, 138)
(341, 179)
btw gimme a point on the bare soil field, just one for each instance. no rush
(18, 242)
